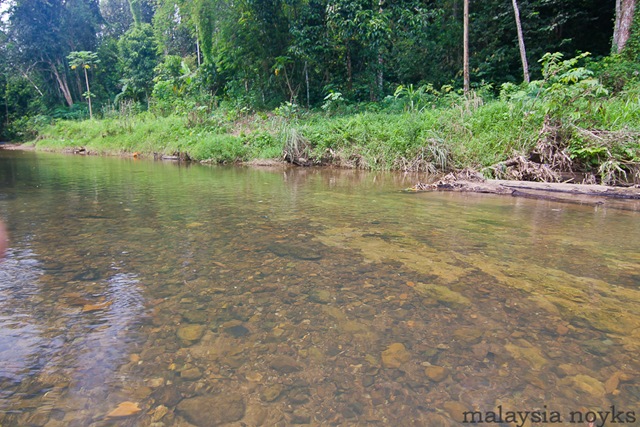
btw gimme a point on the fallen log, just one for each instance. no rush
(586, 194)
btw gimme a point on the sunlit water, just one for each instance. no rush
(213, 295)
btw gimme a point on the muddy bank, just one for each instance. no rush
(12, 146)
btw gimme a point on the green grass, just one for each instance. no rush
(467, 133)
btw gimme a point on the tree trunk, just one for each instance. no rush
(624, 19)
(523, 52)
(197, 47)
(26, 76)
(86, 79)
(348, 66)
(62, 83)
(380, 61)
(465, 50)
(306, 80)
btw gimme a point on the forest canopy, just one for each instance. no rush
(261, 53)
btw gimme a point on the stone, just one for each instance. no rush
(211, 411)
(191, 374)
(295, 250)
(271, 393)
(124, 409)
(195, 316)
(168, 396)
(191, 333)
(613, 382)
(321, 296)
(456, 410)
(299, 396)
(237, 331)
(524, 350)
(300, 416)
(443, 295)
(586, 385)
(566, 369)
(158, 413)
(395, 356)
(468, 334)
(436, 373)
(285, 364)
(368, 380)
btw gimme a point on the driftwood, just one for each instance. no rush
(586, 194)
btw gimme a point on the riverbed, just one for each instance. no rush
(142, 293)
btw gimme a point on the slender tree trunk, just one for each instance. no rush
(622, 28)
(465, 50)
(348, 66)
(380, 60)
(523, 52)
(306, 80)
(86, 79)
(26, 76)
(380, 74)
(6, 102)
(62, 83)
(197, 46)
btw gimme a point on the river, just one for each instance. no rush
(141, 293)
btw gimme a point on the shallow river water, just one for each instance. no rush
(139, 293)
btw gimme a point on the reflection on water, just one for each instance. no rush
(211, 296)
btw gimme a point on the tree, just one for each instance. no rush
(465, 44)
(174, 28)
(625, 10)
(84, 59)
(138, 59)
(46, 31)
(523, 52)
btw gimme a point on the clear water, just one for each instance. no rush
(226, 295)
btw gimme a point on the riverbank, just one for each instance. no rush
(553, 130)
(496, 139)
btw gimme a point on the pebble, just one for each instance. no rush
(191, 374)
(436, 373)
(191, 333)
(212, 410)
(285, 364)
(300, 416)
(455, 410)
(271, 393)
(395, 356)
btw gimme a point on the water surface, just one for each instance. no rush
(214, 295)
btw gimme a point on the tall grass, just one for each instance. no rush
(459, 133)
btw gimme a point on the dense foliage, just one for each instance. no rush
(211, 64)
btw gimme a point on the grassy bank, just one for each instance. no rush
(439, 138)
(567, 122)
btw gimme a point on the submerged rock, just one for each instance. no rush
(524, 350)
(285, 364)
(271, 393)
(585, 385)
(468, 334)
(191, 374)
(295, 251)
(211, 411)
(321, 296)
(436, 373)
(191, 333)
(443, 295)
(237, 331)
(456, 410)
(395, 356)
